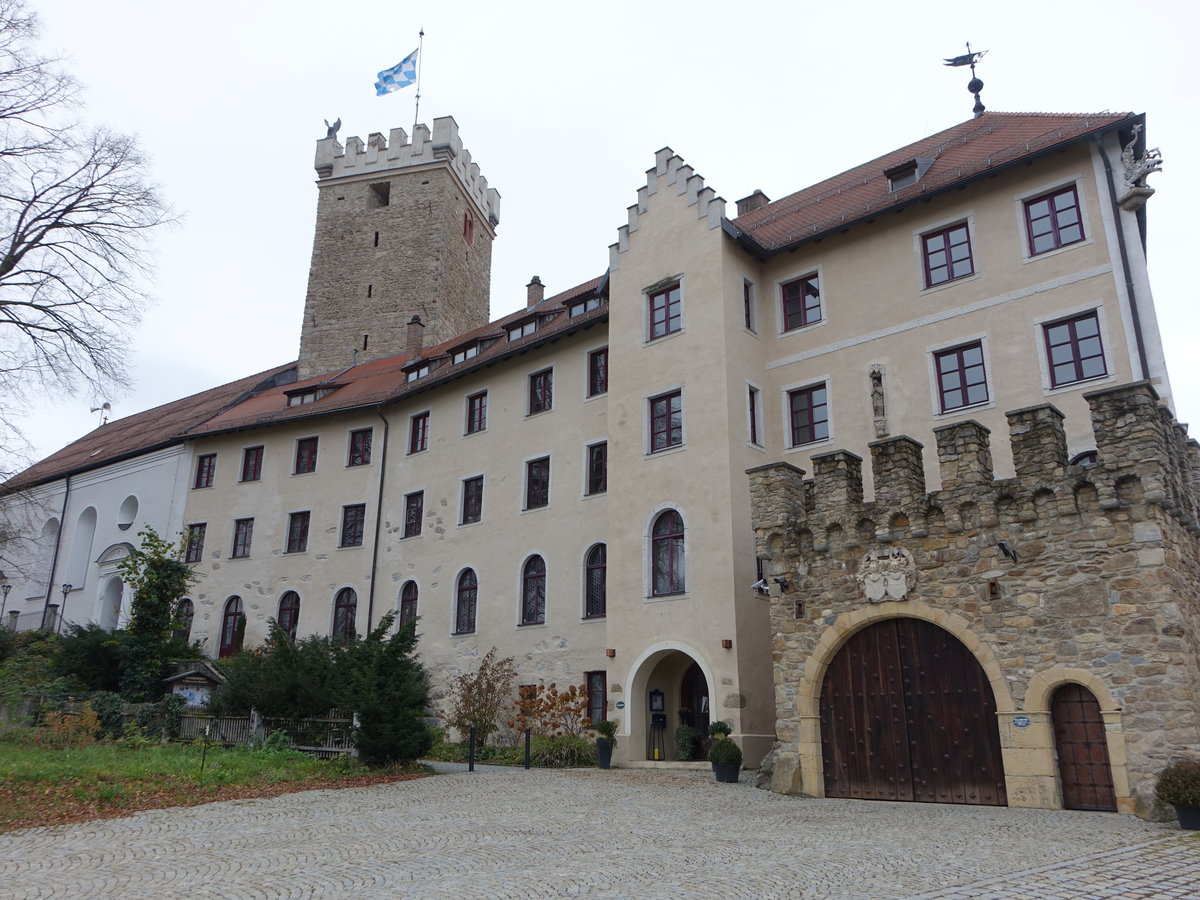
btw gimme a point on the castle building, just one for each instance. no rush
(568, 483)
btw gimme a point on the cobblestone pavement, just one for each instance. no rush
(586, 833)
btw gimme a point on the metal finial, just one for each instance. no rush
(975, 85)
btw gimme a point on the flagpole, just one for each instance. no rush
(420, 65)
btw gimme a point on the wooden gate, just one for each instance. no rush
(1082, 747)
(907, 714)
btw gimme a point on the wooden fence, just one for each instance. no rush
(322, 737)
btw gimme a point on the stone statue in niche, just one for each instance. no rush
(887, 574)
(878, 401)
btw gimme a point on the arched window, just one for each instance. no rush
(184, 613)
(533, 592)
(81, 549)
(408, 602)
(594, 578)
(233, 627)
(465, 601)
(345, 608)
(289, 613)
(666, 554)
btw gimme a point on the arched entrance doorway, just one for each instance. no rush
(907, 714)
(670, 689)
(1082, 747)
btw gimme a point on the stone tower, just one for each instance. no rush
(403, 229)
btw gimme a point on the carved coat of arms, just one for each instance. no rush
(887, 574)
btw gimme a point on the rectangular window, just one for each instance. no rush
(306, 456)
(206, 470)
(1053, 220)
(522, 330)
(541, 391)
(666, 421)
(961, 377)
(801, 302)
(597, 468)
(1074, 350)
(252, 458)
(472, 500)
(477, 412)
(360, 447)
(752, 410)
(597, 691)
(297, 536)
(598, 372)
(537, 483)
(748, 305)
(809, 409)
(414, 510)
(418, 433)
(666, 312)
(243, 532)
(947, 255)
(354, 520)
(195, 543)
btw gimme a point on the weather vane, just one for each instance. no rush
(975, 85)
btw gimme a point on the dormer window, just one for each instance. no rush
(420, 370)
(907, 173)
(522, 329)
(584, 306)
(465, 353)
(310, 394)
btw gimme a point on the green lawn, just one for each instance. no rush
(40, 786)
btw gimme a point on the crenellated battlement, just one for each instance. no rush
(379, 155)
(1143, 456)
(683, 179)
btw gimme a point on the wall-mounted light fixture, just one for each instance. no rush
(727, 643)
(610, 652)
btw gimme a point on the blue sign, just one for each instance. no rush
(620, 704)
(1020, 721)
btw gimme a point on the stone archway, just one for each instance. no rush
(682, 679)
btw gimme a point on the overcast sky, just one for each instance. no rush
(563, 106)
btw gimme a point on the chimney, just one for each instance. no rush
(535, 291)
(416, 336)
(757, 200)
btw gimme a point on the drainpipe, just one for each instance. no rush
(1133, 305)
(62, 524)
(378, 520)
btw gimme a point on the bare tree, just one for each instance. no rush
(75, 211)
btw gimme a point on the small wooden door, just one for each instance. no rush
(1082, 746)
(907, 714)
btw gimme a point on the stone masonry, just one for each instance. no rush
(403, 229)
(1103, 591)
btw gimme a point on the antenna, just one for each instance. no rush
(975, 85)
(104, 409)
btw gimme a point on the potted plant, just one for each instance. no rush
(716, 731)
(1179, 785)
(726, 757)
(606, 729)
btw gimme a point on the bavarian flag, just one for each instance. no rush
(398, 76)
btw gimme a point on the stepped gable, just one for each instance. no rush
(992, 142)
(150, 430)
(683, 179)
(385, 380)
(1143, 457)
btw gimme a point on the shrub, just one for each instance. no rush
(390, 691)
(92, 656)
(70, 730)
(725, 752)
(160, 721)
(477, 698)
(562, 751)
(685, 742)
(719, 729)
(1179, 783)
(546, 710)
(607, 731)
(111, 710)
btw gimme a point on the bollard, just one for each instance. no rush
(528, 731)
(471, 751)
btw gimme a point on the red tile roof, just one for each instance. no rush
(993, 141)
(141, 432)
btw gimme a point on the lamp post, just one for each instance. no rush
(5, 588)
(62, 612)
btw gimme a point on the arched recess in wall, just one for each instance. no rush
(109, 616)
(127, 513)
(44, 554)
(75, 573)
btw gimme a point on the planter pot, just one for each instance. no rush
(1189, 817)
(727, 774)
(604, 751)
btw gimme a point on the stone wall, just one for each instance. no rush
(1102, 592)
